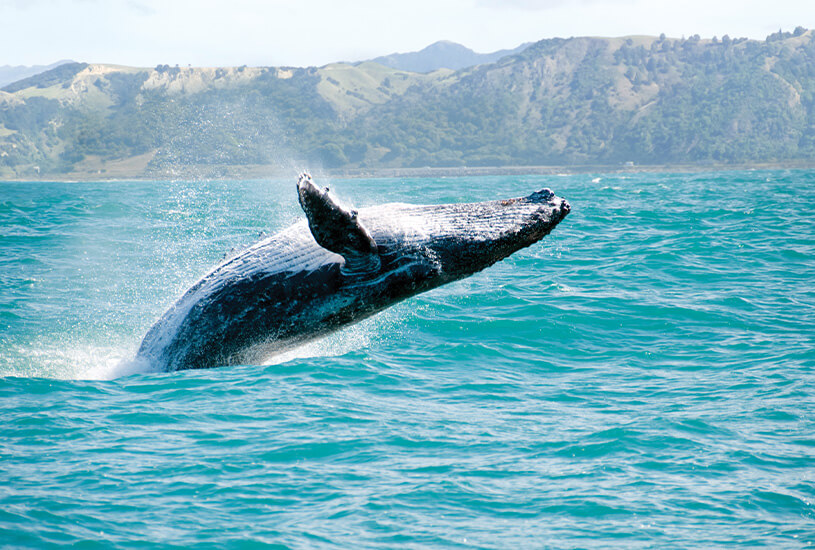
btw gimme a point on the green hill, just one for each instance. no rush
(577, 101)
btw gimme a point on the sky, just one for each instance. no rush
(316, 32)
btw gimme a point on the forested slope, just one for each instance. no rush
(648, 100)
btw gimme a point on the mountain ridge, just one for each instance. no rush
(443, 54)
(582, 101)
(12, 73)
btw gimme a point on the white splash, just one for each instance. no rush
(74, 361)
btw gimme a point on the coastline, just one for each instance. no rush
(231, 172)
(565, 169)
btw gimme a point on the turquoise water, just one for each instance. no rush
(642, 378)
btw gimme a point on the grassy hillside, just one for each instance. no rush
(562, 101)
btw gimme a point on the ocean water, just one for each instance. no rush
(641, 378)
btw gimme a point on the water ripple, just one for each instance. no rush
(642, 378)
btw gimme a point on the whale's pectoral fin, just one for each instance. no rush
(337, 228)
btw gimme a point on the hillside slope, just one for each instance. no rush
(592, 100)
(10, 74)
(574, 101)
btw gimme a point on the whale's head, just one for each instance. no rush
(465, 238)
(430, 245)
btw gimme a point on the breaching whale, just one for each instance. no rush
(337, 267)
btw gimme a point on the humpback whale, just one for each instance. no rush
(337, 267)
